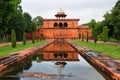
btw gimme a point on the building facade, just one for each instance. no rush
(62, 28)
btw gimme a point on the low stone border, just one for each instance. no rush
(20, 55)
(107, 65)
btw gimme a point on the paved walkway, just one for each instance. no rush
(108, 43)
(20, 55)
(9, 43)
(102, 62)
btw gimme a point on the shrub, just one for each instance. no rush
(82, 37)
(105, 33)
(95, 35)
(24, 38)
(33, 39)
(79, 35)
(13, 38)
(87, 37)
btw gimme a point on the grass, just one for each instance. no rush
(5, 50)
(110, 50)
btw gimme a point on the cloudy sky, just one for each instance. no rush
(85, 10)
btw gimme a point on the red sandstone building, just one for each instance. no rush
(59, 51)
(62, 27)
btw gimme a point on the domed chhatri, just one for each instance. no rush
(61, 14)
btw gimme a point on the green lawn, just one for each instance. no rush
(113, 51)
(5, 50)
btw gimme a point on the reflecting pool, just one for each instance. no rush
(57, 61)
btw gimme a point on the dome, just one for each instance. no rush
(60, 14)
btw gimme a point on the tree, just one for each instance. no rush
(112, 20)
(18, 24)
(38, 20)
(33, 39)
(7, 9)
(82, 37)
(33, 26)
(24, 38)
(87, 37)
(28, 22)
(92, 23)
(30, 26)
(13, 38)
(105, 33)
(109, 22)
(116, 19)
(99, 25)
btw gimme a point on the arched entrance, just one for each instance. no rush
(65, 24)
(60, 25)
(55, 24)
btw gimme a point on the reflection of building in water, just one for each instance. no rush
(58, 46)
(63, 56)
(59, 50)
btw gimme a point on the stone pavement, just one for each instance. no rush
(108, 43)
(9, 43)
(20, 55)
(105, 64)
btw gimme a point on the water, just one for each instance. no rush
(44, 65)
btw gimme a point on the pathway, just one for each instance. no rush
(106, 64)
(108, 43)
(9, 43)
(20, 55)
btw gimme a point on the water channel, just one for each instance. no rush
(57, 61)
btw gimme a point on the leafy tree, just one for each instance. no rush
(108, 22)
(28, 22)
(112, 20)
(105, 33)
(24, 38)
(99, 26)
(30, 26)
(92, 23)
(18, 24)
(38, 20)
(33, 26)
(116, 19)
(13, 38)
(7, 9)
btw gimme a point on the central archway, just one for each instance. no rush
(60, 25)
(65, 24)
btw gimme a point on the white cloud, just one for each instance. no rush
(83, 9)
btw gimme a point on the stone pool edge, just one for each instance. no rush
(21, 55)
(95, 62)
